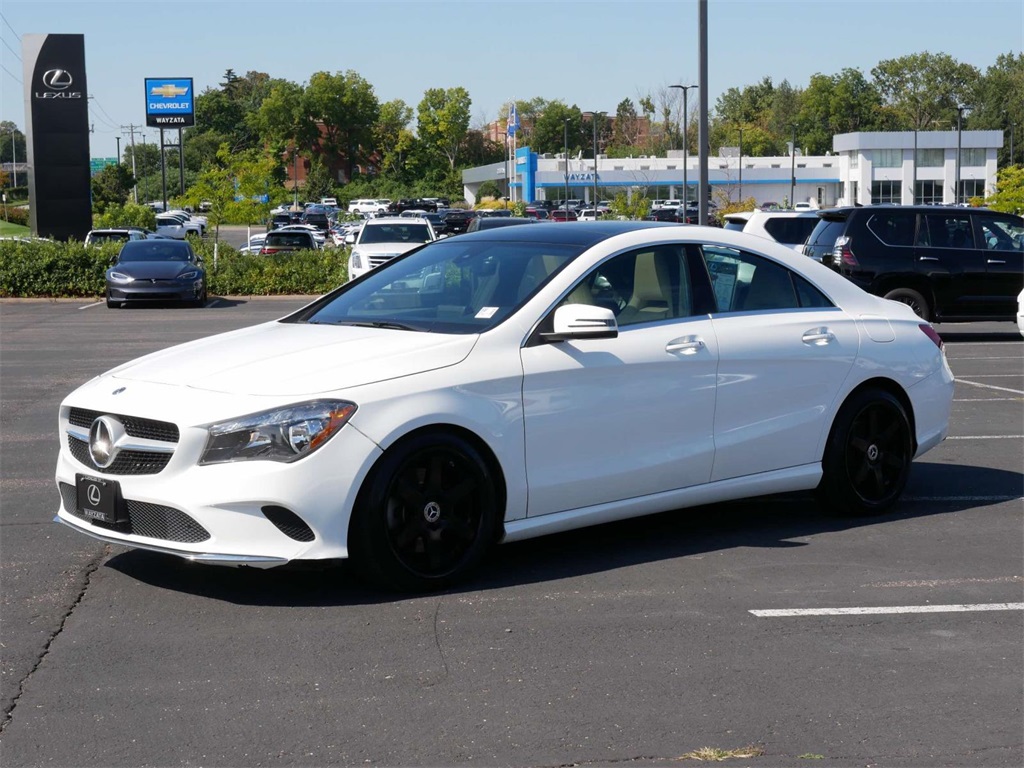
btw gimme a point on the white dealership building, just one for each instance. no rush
(863, 168)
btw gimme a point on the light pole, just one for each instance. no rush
(913, 191)
(565, 127)
(792, 170)
(1013, 126)
(959, 134)
(686, 119)
(14, 159)
(593, 120)
(741, 164)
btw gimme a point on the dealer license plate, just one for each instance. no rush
(99, 499)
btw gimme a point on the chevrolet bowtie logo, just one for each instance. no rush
(168, 91)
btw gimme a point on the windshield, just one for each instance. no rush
(395, 233)
(448, 286)
(167, 250)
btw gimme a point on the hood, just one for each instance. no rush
(286, 359)
(384, 248)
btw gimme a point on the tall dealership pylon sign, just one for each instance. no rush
(170, 103)
(57, 135)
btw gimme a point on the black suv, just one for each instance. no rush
(948, 263)
(457, 220)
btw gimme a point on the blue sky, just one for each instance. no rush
(592, 53)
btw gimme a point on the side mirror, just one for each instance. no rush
(350, 239)
(582, 321)
(113, 260)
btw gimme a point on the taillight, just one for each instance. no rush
(931, 334)
(842, 254)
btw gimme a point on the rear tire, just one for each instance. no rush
(426, 515)
(867, 458)
(912, 299)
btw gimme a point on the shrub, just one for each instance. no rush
(59, 270)
(17, 215)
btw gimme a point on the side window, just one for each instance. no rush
(946, 230)
(893, 227)
(744, 282)
(999, 234)
(639, 286)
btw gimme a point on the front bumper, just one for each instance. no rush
(156, 290)
(228, 514)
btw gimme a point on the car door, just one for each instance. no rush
(946, 254)
(624, 417)
(1001, 236)
(784, 352)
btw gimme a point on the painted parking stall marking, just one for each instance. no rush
(882, 610)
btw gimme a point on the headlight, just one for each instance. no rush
(189, 275)
(121, 277)
(283, 434)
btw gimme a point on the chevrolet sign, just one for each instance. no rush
(169, 102)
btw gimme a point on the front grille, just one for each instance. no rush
(133, 425)
(154, 521)
(126, 463)
(380, 258)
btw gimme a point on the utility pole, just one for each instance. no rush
(118, 140)
(131, 129)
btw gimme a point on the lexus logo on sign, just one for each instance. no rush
(57, 79)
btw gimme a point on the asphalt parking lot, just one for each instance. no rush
(764, 626)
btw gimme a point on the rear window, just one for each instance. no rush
(395, 233)
(289, 240)
(790, 230)
(826, 232)
(733, 225)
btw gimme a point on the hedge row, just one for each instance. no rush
(61, 270)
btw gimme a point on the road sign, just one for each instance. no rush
(97, 164)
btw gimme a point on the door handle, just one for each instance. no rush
(996, 261)
(926, 258)
(687, 345)
(818, 337)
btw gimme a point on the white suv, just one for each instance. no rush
(384, 238)
(790, 228)
(367, 206)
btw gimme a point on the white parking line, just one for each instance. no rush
(991, 499)
(90, 306)
(874, 611)
(989, 386)
(986, 399)
(987, 437)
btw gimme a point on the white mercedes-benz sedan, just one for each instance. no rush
(506, 384)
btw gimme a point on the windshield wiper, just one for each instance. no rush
(376, 324)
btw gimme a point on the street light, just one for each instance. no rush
(1013, 127)
(792, 170)
(686, 119)
(565, 125)
(14, 159)
(959, 134)
(741, 164)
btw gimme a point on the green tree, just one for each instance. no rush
(923, 87)
(392, 136)
(318, 180)
(999, 104)
(337, 116)
(1009, 195)
(111, 186)
(127, 215)
(832, 104)
(443, 120)
(549, 130)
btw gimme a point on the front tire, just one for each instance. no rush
(426, 516)
(867, 458)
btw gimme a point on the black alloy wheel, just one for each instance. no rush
(427, 515)
(912, 299)
(868, 455)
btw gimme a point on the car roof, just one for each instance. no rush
(583, 235)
